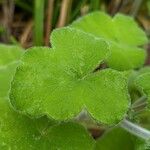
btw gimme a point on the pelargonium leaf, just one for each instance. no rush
(123, 35)
(71, 136)
(81, 52)
(60, 82)
(9, 56)
(17, 131)
(6, 74)
(135, 92)
(116, 139)
(143, 119)
(20, 132)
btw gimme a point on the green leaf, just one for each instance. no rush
(81, 52)
(8, 62)
(9, 54)
(123, 35)
(60, 82)
(17, 131)
(6, 75)
(119, 139)
(143, 119)
(135, 93)
(20, 132)
(70, 136)
(142, 82)
(145, 69)
(115, 139)
(142, 145)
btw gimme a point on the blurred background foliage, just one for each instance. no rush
(30, 22)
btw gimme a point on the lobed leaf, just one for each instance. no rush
(123, 35)
(20, 132)
(60, 82)
(81, 52)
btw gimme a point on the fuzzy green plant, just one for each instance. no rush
(47, 92)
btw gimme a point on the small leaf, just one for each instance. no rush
(123, 35)
(115, 139)
(142, 82)
(60, 82)
(135, 92)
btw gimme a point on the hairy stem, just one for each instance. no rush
(135, 129)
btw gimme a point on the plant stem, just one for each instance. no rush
(135, 129)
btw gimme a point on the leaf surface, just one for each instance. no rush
(119, 139)
(9, 56)
(21, 132)
(60, 82)
(115, 139)
(123, 35)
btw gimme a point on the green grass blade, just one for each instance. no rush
(38, 22)
(95, 5)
